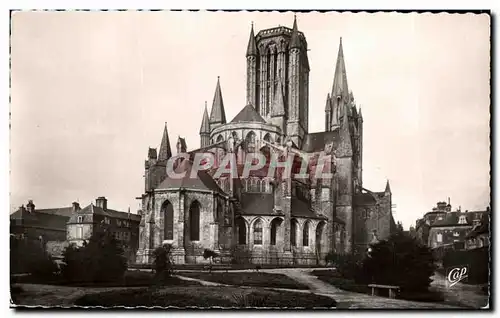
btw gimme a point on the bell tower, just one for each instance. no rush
(277, 62)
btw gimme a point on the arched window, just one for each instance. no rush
(275, 226)
(167, 211)
(267, 137)
(258, 185)
(293, 233)
(257, 232)
(319, 237)
(263, 186)
(241, 231)
(250, 142)
(305, 234)
(194, 221)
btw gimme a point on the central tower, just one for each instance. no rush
(278, 70)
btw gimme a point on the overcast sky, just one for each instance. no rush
(91, 92)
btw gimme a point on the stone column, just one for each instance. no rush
(179, 252)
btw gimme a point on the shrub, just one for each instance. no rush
(29, 256)
(347, 265)
(163, 264)
(400, 260)
(98, 260)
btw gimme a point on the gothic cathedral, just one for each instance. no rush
(263, 218)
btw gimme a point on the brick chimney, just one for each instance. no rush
(30, 207)
(102, 202)
(76, 206)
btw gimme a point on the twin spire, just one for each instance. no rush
(218, 114)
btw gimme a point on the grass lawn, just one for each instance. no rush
(206, 297)
(130, 279)
(257, 279)
(333, 278)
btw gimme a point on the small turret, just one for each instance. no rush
(218, 114)
(252, 46)
(295, 40)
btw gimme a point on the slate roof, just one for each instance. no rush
(315, 142)
(93, 209)
(203, 181)
(451, 218)
(41, 219)
(248, 114)
(257, 203)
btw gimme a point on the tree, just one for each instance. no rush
(29, 256)
(400, 260)
(98, 260)
(163, 263)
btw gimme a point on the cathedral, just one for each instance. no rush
(262, 217)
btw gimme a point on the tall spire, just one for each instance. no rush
(340, 78)
(165, 151)
(295, 41)
(387, 187)
(252, 46)
(218, 115)
(205, 122)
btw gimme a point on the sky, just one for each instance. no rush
(91, 91)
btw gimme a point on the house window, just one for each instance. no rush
(257, 232)
(80, 219)
(439, 238)
(106, 220)
(456, 234)
(79, 232)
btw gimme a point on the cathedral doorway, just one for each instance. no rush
(167, 211)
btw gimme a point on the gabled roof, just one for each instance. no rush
(248, 114)
(316, 142)
(201, 181)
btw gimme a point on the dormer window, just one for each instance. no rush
(462, 219)
(79, 219)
